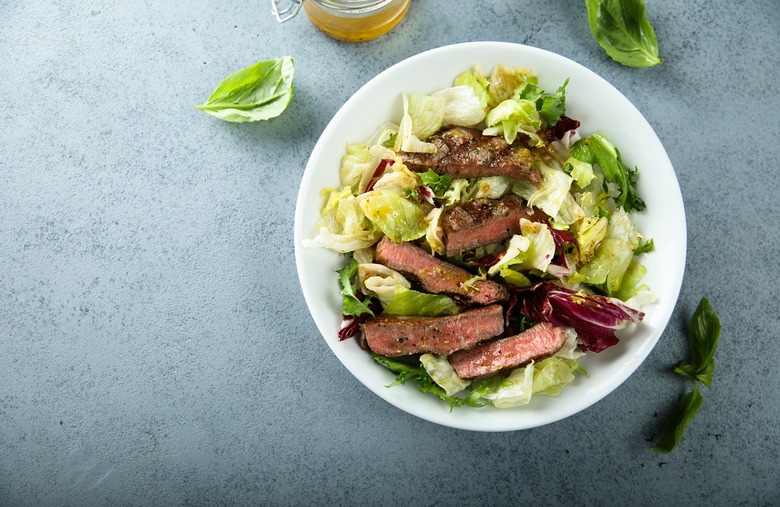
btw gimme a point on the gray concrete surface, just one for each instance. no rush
(155, 348)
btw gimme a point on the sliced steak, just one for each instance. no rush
(436, 275)
(466, 153)
(402, 336)
(539, 341)
(481, 222)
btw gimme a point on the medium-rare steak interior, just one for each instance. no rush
(436, 275)
(402, 335)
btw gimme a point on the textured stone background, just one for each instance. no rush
(154, 344)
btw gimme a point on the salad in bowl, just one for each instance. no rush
(488, 245)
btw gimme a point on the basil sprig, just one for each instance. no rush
(621, 28)
(703, 335)
(259, 92)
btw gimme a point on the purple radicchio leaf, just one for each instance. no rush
(594, 317)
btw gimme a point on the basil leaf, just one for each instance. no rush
(259, 92)
(703, 335)
(703, 375)
(677, 421)
(621, 28)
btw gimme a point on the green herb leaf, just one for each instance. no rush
(621, 28)
(597, 149)
(703, 335)
(703, 375)
(646, 247)
(677, 421)
(351, 304)
(259, 92)
(439, 183)
(416, 373)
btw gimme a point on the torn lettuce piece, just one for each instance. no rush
(380, 281)
(407, 301)
(551, 107)
(511, 117)
(478, 84)
(423, 116)
(351, 303)
(455, 193)
(552, 374)
(582, 172)
(396, 217)
(515, 390)
(570, 348)
(343, 226)
(597, 149)
(589, 232)
(434, 232)
(551, 195)
(462, 107)
(533, 248)
(493, 187)
(503, 83)
(426, 114)
(398, 179)
(442, 372)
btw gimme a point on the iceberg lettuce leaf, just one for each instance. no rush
(411, 302)
(343, 226)
(398, 218)
(442, 372)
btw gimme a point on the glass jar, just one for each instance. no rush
(347, 20)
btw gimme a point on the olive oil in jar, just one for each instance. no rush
(349, 20)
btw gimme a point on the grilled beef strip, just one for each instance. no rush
(537, 342)
(391, 335)
(484, 221)
(466, 153)
(436, 275)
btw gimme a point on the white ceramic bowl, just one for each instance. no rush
(601, 109)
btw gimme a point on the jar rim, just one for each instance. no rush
(356, 7)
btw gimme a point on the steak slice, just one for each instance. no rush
(536, 342)
(404, 335)
(484, 221)
(466, 153)
(436, 275)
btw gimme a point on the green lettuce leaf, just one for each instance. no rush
(550, 107)
(416, 373)
(514, 390)
(259, 92)
(398, 218)
(597, 149)
(442, 372)
(478, 84)
(351, 304)
(513, 116)
(411, 302)
(343, 227)
(552, 374)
